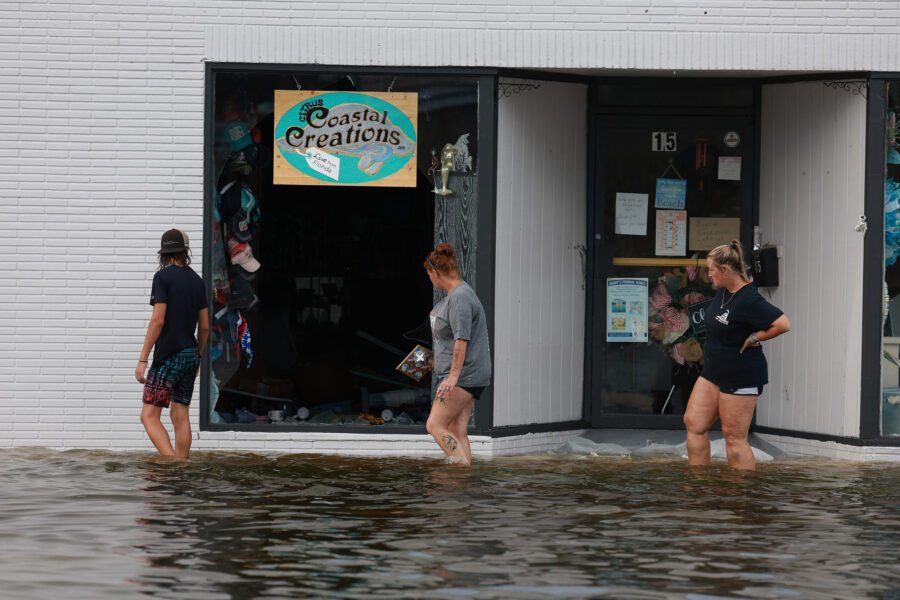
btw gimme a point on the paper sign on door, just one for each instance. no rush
(631, 214)
(671, 232)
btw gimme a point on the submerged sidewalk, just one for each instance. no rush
(656, 443)
(766, 446)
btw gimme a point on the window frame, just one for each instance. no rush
(487, 143)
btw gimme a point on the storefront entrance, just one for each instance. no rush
(667, 190)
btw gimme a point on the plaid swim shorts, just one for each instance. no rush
(172, 379)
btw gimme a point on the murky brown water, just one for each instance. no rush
(105, 525)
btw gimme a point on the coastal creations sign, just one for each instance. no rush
(345, 138)
(626, 309)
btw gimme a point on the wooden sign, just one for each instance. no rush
(706, 233)
(345, 138)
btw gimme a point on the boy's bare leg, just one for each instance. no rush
(179, 413)
(155, 429)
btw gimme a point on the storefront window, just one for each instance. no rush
(890, 366)
(316, 285)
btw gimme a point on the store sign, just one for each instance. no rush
(345, 138)
(697, 315)
(732, 139)
(626, 309)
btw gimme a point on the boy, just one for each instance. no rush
(179, 305)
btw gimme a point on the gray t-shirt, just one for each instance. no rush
(460, 316)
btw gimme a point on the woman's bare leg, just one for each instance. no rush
(444, 411)
(460, 427)
(701, 413)
(736, 413)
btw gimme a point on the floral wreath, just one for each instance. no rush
(668, 322)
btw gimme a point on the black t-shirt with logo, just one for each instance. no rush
(183, 293)
(729, 322)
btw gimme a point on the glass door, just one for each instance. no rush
(669, 189)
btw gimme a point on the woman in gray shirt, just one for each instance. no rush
(462, 355)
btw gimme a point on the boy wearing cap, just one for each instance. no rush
(179, 305)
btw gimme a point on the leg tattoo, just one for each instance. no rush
(449, 442)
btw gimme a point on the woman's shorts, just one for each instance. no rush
(172, 379)
(747, 391)
(475, 391)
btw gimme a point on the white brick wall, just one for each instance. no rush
(101, 115)
(660, 35)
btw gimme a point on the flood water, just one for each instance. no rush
(110, 525)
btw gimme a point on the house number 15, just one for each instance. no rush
(663, 141)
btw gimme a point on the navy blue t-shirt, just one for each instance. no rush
(183, 293)
(729, 322)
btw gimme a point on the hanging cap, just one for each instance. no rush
(174, 240)
(237, 135)
(244, 258)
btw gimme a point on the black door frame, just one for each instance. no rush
(598, 264)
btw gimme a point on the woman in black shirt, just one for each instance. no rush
(734, 368)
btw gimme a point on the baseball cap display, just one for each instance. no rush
(244, 161)
(241, 224)
(237, 135)
(242, 255)
(242, 296)
(174, 240)
(244, 258)
(229, 200)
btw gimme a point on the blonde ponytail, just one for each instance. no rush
(730, 255)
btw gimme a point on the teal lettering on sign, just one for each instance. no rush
(345, 138)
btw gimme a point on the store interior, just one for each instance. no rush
(319, 290)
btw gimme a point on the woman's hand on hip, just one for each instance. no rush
(752, 340)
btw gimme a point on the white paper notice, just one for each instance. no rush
(324, 163)
(631, 213)
(730, 168)
(671, 232)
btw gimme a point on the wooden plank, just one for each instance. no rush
(456, 223)
(659, 262)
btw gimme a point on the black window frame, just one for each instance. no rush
(487, 143)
